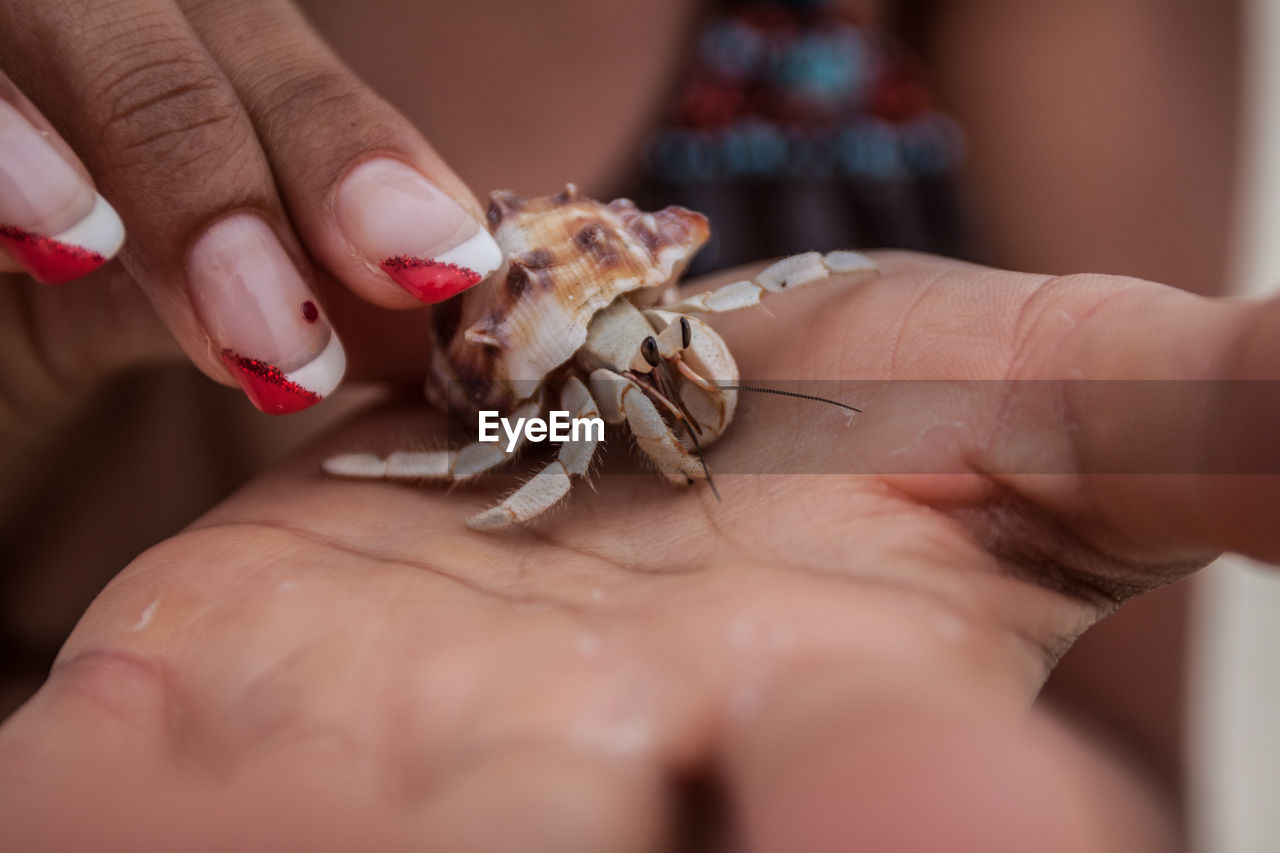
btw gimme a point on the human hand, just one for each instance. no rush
(237, 149)
(847, 658)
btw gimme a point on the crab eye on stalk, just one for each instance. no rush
(675, 338)
(649, 350)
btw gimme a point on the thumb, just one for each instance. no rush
(1174, 402)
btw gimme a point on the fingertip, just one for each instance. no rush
(368, 195)
(261, 317)
(53, 222)
(411, 232)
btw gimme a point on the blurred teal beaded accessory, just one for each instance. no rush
(806, 124)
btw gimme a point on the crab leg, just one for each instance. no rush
(786, 274)
(552, 483)
(623, 400)
(457, 465)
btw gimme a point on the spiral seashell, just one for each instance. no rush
(565, 258)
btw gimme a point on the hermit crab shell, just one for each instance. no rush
(565, 258)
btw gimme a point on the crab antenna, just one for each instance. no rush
(668, 384)
(688, 423)
(658, 395)
(759, 390)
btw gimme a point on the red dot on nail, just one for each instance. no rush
(309, 312)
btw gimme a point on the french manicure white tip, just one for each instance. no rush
(479, 253)
(100, 231)
(322, 374)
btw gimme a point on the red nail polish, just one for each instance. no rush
(46, 259)
(429, 281)
(268, 387)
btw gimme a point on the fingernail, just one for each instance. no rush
(51, 219)
(417, 234)
(268, 326)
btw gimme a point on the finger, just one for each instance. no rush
(135, 92)
(53, 223)
(1205, 442)
(371, 199)
(1162, 402)
(844, 766)
(1172, 406)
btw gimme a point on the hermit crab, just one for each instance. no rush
(584, 311)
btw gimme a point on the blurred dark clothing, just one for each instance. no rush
(807, 125)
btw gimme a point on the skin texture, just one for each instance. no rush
(825, 654)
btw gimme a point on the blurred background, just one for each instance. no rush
(1121, 136)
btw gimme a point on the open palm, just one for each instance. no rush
(842, 658)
